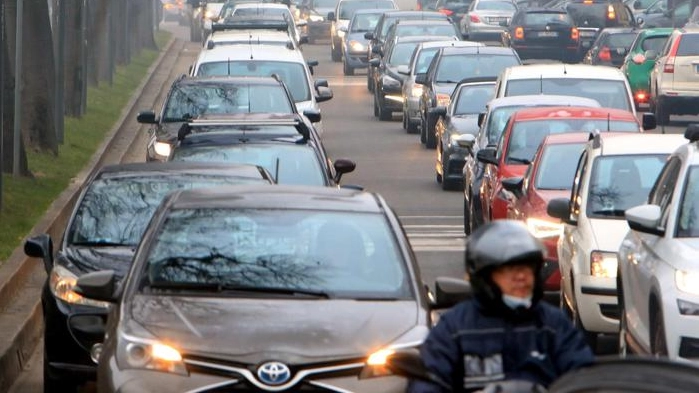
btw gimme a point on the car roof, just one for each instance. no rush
(560, 70)
(620, 30)
(250, 53)
(261, 5)
(400, 13)
(174, 168)
(454, 43)
(421, 22)
(417, 38)
(229, 80)
(566, 138)
(280, 197)
(542, 99)
(483, 50)
(612, 143)
(652, 31)
(371, 11)
(576, 112)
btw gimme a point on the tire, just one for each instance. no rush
(430, 137)
(447, 185)
(423, 127)
(467, 217)
(369, 81)
(335, 54)
(659, 345)
(376, 106)
(384, 114)
(662, 115)
(412, 128)
(405, 120)
(346, 69)
(622, 345)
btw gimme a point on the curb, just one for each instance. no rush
(22, 278)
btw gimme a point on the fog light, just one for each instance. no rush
(95, 352)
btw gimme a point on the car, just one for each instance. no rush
(378, 36)
(193, 97)
(173, 10)
(674, 88)
(485, 19)
(657, 262)
(388, 97)
(637, 67)
(341, 16)
(354, 44)
(653, 12)
(606, 85)
(286, 145)
(662, 16)
(638, 6)
(264, 60)
(264, 12)
(524, 132)
(203, 15)
(454, 9)
(111, 213)
(615, 172)
(549, 176)
(491, 125)
(449, 66)
(419, 61)
(458, 121)
(542, 33)
(315, 13)
(222, 275)
(611, 46)
(591, 16)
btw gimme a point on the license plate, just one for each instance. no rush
(497, 19)
(587, 33)
(548, 34)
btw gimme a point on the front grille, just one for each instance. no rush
(689, 348)
(610, 311)
(247, 388)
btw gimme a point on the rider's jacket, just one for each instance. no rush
(471, 346)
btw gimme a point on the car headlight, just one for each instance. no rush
(162, 149)
(341, 33)
(416, 90)
(62, 281)
(356, 46)
(687, 281)
(377, 361)
(543, 228)
(315, 18)
(443, 99)
(390, 83)
(603, 264)
(209, 14)
(139, 353)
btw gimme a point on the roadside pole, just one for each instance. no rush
(18, 91)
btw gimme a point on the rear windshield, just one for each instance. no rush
(428, 30)
(545, 18)
(654, 43)
(496, 5)
(347, 8)
(588, 15)
(689, 45)
(622, 40)
(609, 93)
(453, 68)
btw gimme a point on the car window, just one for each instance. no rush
(364, 22)
(663, 189)
(495, 5)
(609, 93)
(688, 218)
(621, 40)
(346, 255)
(557, 166)
(400, 54)
(260, 13)
(453, 68)
(425, 30)
(292, 74)
(347, 8)
(576, 190)
(689, 45)
(619, 182)
(424, 58)
(599, 15)
(471, 100)
(497, 120)
(544, 18)
(654, 43)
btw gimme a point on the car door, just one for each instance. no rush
(491, 174)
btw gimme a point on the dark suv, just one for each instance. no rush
(591, 16)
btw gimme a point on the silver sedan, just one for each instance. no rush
(486, 19)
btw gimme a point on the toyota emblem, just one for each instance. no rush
(274, 373)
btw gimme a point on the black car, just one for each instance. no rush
(591, 16)
(191, 97)
(377, 37)
(284, 289)
(543, 33)
(110, 216)
(315, 13)
(611, 46)
(676, 16)
(449, 66)
(286, 145)
(454, 9)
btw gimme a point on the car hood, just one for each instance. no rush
(252, 330)
(359, 37)
(540, 198)
(89, 259)
(608, 233)
(680, 253)
(464, 124)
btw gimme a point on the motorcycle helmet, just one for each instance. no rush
(499, 243)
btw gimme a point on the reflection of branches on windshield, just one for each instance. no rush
(606, 200)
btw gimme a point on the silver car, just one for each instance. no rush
(487, 19)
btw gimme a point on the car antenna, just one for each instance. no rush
(565, 71)
(609, 122)
(541, 83)
(276, 170)
(229, 66)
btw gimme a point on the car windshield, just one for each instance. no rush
(496, 6)
(471, 100)
(609, 93)
(292, 74)
(546, 18)
(116, 210)
(654, 43)
(192, 101)
(589, 14)
(425, 30)
(526, 136)
(620, 182)
(288, 164)
(557, 166)
(424, 58)
(688, 218)
(324, 3)
(497, 120)
(347, 8)
(400, 54)
(453, 68)
(364, 22)
(344, 255)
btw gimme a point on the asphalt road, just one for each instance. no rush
(389, 162)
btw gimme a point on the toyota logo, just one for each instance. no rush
(274, 373)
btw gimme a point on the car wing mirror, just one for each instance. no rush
(369, 35)
(99, 285)
(342, 166)
(481, 117)
(514, 185)
(450, 291)
(487, 156)
(331, 16)
(324, 94)
(146, 117)
(320, 83)
(645, 218)
(421, 78)
(559, 208)
(312, 114)
(403, 69)
(40, 246)
(303, 40)
(437, 111)
(466, 141)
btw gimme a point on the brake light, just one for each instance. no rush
(519, 33)
(669, 66)
(574, 34)
(446, 12)
(474, 18)
(419, 7)
(605, 54)
(588, 2)
(611, 14)
(641, 96)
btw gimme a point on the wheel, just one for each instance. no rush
(659, 345)
(447, 185)
(430, 137)
(346, 69)
(376, 107)
(369, 80)
(472, 223)
(622, 345)
(412, 127)
(662, 115)
(423, 127)
(335, 54)
(467, 218)
(405, 120)
(384, 114)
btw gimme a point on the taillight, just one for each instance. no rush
(611, 14)
(519, 33)
(446, 12)
(419, 7)
(669, 66)
(474, 18)
(605, 54)
(641, 96)
(574, 34)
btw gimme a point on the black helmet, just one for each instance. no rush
(498, 243)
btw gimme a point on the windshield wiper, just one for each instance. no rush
(221, 287)
(447, 81)
(100, 243)
(519, 159)
(610, 212)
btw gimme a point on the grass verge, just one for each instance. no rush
(25, 200)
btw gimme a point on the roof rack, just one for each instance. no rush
(196, 126)
(251, 25)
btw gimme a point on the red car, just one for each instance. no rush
(549, 176)
(523, 133)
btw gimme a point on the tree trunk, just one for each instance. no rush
(101, 39)
(74, 74)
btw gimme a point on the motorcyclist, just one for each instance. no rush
(504, 332)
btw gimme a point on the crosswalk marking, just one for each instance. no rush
(430, 237)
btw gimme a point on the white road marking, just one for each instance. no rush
(435, 237)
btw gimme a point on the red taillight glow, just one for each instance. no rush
(669, 66)
(446, 12)
(574, 34)
(419, 7)
(474, 18)
(641, 96)
(519, 33)
(605, 54)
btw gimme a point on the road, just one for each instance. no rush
(389, 162)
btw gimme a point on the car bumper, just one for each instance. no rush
(681, 330)
(318, 30)
(356, 59)
(596, 303)
(485, 32)
(544, 52)
(680, 102)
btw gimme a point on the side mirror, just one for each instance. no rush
(40, 246)
(559, 208)
(369, 35)
(466, 141)
(640, 21)
(513, 185)
(645, 218)
(637, 5)
(331, 16)
(403, 69)
(487, 156)
(146, 117)
(324, 94)
(650, 54)
(99, 285)
(375, 62)
(481, 117)
(343, 29)
(342, 166)
(648, 121)
(692, 132)
(376, 50)
(437, 111)
(312, 114)
(421, 78)
(320, 83)
(449, 291)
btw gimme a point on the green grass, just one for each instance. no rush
(25, 200)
